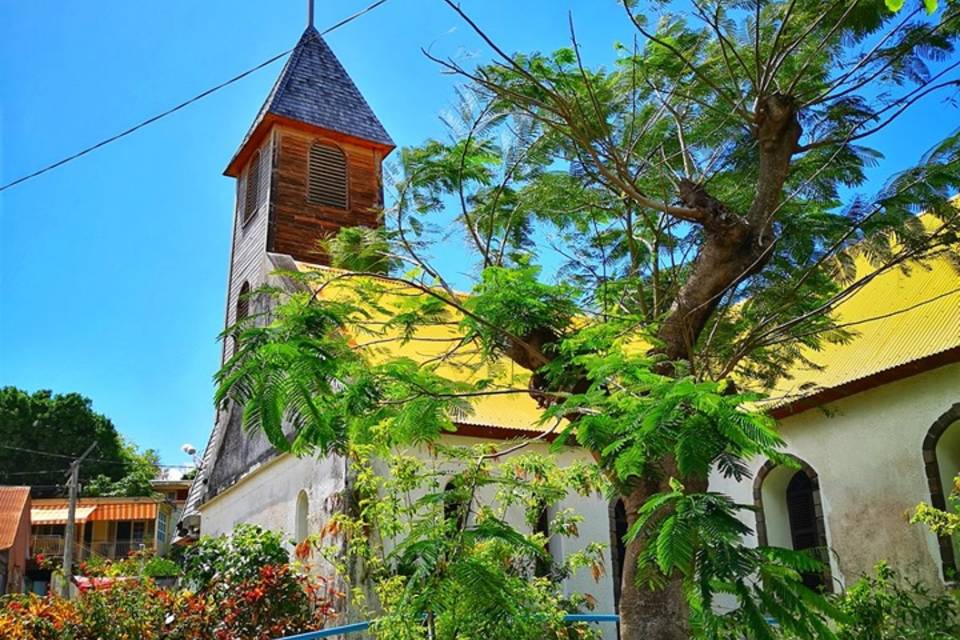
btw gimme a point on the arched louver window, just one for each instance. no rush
(327, 179)
(789, 514)
(941, 458)
(241, 311)
(243, 302)
(253, 187)
(802, 516)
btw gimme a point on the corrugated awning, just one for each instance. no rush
(58, 515)
(125, 511)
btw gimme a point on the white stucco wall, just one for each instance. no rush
(595, 526)
(867, 452)
(267, 496)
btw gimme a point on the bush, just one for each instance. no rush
(30, 617)
(247, 590)
(233, 559)
(140, 564)
(886, 606)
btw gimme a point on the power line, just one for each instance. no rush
(30, 473)
(51, 454)
(183, 104)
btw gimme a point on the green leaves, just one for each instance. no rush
(514, 302)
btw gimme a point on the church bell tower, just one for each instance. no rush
(309, 165)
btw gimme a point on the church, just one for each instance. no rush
(875, 427)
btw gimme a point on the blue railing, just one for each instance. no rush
(357, 627)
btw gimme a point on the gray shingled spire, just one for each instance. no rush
(315, 88)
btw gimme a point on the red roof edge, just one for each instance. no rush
(501, 433)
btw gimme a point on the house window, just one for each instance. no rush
(327, 176)
(162, 527)
(618, 548)
(941, 459)
(301, 530)
(789, 514)
(252, 199)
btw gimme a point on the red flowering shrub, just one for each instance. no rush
(30, 617)
(243, 598)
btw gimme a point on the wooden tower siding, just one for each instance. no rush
(249, 238)
(297, 225)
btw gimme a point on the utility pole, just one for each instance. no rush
(73, 484)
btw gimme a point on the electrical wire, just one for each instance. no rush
(182, 105)
(51, 454)
(30, 473)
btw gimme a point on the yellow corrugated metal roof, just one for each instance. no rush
(431, 344)
(897, 318)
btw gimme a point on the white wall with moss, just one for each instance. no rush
(867, 451)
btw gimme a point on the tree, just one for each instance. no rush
(140, 468)
(695, 191)
(41, 433)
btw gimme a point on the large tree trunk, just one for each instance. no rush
(735, 247)
(661, 613)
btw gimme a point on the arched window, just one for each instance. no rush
(454, 508)
(941, 459)
(542, 526)
(243, 302)
(618, 548)
(301, 529)
(241, 311)
(327, 176)
(789, 514)
(253, 187)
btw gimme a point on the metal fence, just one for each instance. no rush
(358, 627)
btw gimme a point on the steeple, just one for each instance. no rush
(310, 163)
(315, 90)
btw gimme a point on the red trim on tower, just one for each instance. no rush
(263, 127)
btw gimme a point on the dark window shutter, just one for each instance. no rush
(454, 507)
(327, 180)
(242, 311)
(804, 529)
(803, 518)
(542, 526)
(253, 187)
(243, 302)
(618, 548)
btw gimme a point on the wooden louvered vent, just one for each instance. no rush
(327, 182)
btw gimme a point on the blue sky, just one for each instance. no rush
(113, 268)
